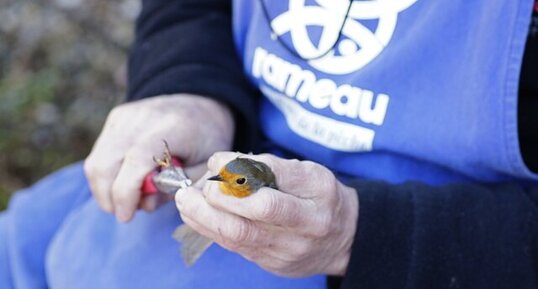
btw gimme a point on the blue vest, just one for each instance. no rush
(398, 90)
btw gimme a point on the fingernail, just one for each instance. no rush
(179, 198)
(123, 214)
(149, 204)
(108, 208)
(211, 161)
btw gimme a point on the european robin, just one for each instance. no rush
(239, 178)
(243, 176)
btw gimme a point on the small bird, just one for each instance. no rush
(239, 178)
(243, 176)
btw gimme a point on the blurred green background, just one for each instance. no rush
(62, 68)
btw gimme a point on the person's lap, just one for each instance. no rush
(56, 236)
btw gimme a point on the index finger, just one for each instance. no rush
(101, 168)
(267, 205)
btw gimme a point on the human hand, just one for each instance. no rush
(306, 227)
(194, 127)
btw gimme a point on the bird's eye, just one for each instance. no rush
(241, 181)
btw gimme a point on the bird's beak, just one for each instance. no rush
(216, 178)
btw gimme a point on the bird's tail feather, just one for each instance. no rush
(193, 244)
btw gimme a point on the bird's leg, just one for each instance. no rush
(170, 177)
(166, 161)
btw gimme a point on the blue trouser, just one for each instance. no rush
(54, 235)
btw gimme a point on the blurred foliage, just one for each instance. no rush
(62, 68)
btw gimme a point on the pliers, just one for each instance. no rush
(168, 177)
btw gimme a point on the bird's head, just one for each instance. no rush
(243, 176)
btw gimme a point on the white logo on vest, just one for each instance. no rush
(359, 45)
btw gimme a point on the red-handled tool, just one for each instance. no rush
(167, 177)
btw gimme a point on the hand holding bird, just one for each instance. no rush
(304, 227)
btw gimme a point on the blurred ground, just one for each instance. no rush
(62, 67)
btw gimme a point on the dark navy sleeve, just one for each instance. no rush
(186, 46)
(457, 236)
